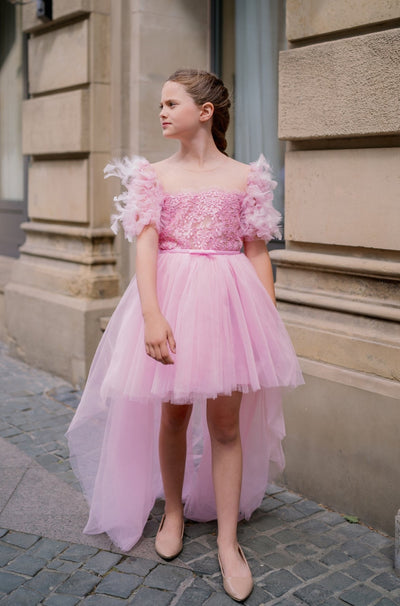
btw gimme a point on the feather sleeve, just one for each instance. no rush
(259, 219)
(141, 201)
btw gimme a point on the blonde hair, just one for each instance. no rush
(205, 87)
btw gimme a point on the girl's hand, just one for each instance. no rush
(159, 339)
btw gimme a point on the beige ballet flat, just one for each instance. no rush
(168, 548)
(238, 588)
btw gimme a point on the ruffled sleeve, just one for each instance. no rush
(259, 219)
(140, 204)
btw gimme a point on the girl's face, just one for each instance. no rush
(180, 117)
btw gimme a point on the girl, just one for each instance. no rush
(195, 356)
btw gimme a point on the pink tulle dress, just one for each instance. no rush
(229, 337)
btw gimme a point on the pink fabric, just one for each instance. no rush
(140, 203)
(200, 251)
(259, 218)
(210, 219)
(207, 220)
(229, 337)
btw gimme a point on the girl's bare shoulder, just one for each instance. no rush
(237, 172)
(172, 161)
(239, 166)
(226, 174)
(163, 166)
(161, 163)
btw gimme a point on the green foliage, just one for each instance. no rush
(352, 519)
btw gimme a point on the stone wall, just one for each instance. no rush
(95, 73)
(338, 279)
(65, 279)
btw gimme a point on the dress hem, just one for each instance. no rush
(198, 398)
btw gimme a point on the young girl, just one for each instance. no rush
(183, 396)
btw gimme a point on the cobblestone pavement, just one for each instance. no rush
(300, 552)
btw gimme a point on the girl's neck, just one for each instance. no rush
(199, 155)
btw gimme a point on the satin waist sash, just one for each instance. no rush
(199, 251)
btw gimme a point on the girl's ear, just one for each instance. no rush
(206, 111)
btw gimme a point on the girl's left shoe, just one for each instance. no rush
(238, 588)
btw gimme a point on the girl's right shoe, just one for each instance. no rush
(168, 547)
(238, 588)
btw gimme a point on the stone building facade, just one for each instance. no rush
(338, 278)
(93, 75)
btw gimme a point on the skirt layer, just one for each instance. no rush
(229, 337)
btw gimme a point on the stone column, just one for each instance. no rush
(95, 75)
(65, 279)
(338, 279)
(150, 40)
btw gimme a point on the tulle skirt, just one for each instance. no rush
(229, 337)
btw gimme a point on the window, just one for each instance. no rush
(12, 173)
(247, 37)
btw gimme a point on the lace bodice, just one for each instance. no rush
(207, 220)
(213, 219)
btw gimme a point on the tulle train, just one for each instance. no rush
(229, 337)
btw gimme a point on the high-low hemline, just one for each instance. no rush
(221, 315)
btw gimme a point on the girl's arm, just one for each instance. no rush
(257, 253)
(157, 332)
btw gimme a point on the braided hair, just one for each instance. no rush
(205, 87)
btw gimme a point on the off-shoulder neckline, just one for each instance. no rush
(206, 190)
(217, 190)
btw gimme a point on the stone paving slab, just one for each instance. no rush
(40, 503)
(300, 552)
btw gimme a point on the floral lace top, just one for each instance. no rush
(213, 219)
